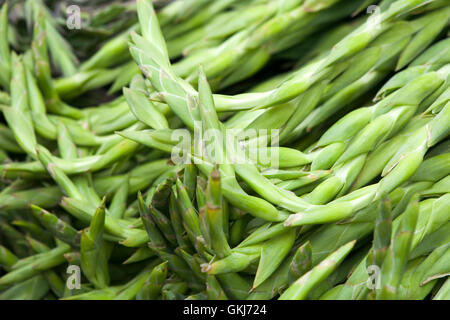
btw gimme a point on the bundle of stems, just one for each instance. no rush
(128, 172)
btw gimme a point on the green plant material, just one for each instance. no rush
(94, 251)
(214, 290)
(5, 56)
(396, 256)
(443, 292)
(152, 287)
(7, 258)
(382, 233)
(18, 116)
(60, 229)
(111, 157)
(439, 270)
(273, 253)
(154, 234)
(32, 289)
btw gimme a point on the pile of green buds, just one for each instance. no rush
(225, 149)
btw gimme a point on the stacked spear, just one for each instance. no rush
(108, 193)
